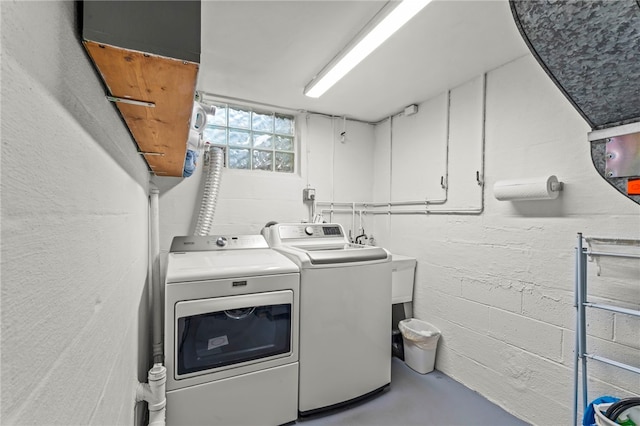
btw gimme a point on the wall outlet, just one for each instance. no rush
(410, 110)
(308, 194)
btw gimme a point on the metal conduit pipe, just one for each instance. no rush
(427, 203)
(331, 203)
(408, 203)
(430, 212)
(473, 211)
(210, 192)
(424, 212)
(443, 179)
(391, 203)
(349, 211)
(479, 175)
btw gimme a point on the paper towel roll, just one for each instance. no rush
(543, 188)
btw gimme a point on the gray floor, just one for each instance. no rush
(414, 399)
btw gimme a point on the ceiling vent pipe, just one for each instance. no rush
(591, 51)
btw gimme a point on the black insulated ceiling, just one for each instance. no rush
(591, 50)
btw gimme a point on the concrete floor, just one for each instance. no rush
(432, 399)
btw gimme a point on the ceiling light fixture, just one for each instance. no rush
(381, 27)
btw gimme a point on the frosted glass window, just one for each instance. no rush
(255, 140)
(239, 158)
(284, 143)
(219, 118)
(262, 122)
(284, 125)
(262, 140)
(215, 135)
(239, 118)
(284, 162)
(239, 138)
(262, 160)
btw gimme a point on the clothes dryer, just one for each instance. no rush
(231, 332)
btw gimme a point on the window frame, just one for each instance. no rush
(249, 141)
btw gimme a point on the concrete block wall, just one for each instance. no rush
(500, 284)
(74, 302)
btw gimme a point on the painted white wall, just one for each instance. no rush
(419, 160)
(500, 284)
(74, 232)
(340, 167)
(465, 146)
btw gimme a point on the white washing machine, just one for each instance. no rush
(231, 332)
(345, 312)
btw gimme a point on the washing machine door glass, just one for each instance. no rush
(225, 331)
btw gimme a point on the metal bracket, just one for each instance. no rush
(442, 184)
(623, 156)
(130, 101)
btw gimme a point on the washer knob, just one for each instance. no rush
(221, 242)
(308, 230)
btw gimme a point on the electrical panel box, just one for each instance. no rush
(308, 194)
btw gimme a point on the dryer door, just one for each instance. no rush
(226, 332)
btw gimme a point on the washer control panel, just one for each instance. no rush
(309, 231)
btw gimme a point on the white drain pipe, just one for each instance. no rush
(156, 301)
(154, 393)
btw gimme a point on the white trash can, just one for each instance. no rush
(420, 343)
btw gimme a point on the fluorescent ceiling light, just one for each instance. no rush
(365, 43)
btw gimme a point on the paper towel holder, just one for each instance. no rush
(540, 188)
(557, 186)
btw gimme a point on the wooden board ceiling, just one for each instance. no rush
(161, 132)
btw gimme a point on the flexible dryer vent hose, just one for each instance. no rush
(210, 192)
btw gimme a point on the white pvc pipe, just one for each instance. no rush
(154, 393)
(154, 255)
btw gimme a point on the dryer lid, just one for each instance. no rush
(222, 264)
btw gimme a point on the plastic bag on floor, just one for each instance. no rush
(420, 333)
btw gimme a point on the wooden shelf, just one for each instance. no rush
(161, 132)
